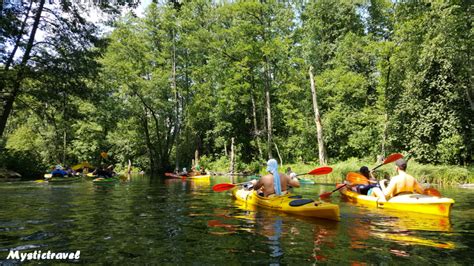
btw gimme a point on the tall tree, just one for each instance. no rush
(317, 121)
(431, 115)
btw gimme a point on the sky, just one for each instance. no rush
(141, 8)
(92, 14)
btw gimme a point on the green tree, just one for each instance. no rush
(432, 117)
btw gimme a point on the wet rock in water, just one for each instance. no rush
(8, 175)
(471, 186)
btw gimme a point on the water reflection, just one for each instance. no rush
(184, 222)
(284, 234)
(402, 228)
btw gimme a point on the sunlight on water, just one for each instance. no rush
(185, 222)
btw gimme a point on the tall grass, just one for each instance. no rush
(441, 174)
(424, 173)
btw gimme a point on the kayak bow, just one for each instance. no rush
(289, 204)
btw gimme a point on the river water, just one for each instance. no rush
(185, 222)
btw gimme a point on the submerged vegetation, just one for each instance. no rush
(194, 76)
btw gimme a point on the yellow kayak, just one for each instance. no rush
(289, 204)
(91, 175)
(199, 177)
(407, 203)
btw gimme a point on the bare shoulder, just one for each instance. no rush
(410, 176)
(395, 178)
(284, 175)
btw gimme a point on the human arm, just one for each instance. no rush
(257, 184)
(388, 191)
(372, 179)
(293, 180)
(418, 188)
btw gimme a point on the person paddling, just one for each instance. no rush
(364, 189)
(274, 183)
(58, 171)
(400, 184)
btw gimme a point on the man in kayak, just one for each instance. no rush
(275, 182)
(402, 183)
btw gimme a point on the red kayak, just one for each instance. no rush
(173, 175)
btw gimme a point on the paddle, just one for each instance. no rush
(391, 158)
(327, 194)
(226, 186)
(432, 192)
(359, 179)
(352, 177)
(319, 171)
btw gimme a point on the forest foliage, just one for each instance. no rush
(390, 76)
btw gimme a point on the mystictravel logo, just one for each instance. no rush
(39, 255)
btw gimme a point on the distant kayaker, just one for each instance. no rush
(364, 189)
(289, 171)
(102, 171)
(58, 171)
(275, 182)
(402, 183)
(110, 170)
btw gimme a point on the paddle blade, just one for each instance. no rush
(222, 187)
(321, 171)
(392, 158)
(432, 192)
(325, 195)
(357, 179)
(328, 194)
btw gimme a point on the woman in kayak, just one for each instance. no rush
(364, 189)
(402, 183)
(274, 182)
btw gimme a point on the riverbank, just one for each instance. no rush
(443, 175)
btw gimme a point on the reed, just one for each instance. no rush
(424, 173)
(443, 175)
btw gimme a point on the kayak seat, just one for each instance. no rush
(295, 197)
(300, 202)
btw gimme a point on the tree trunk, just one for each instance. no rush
(129, 170)
(64, 130)
(387, 85)
(269, 111)
(18, 39)
(64, 146)
(255, 126)
(469, 98)
(149, 145)
(196, 157)
(231, 170)
(176, 98)
(10, 98)
(384, 135)
(317, 120)
(278, 153)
